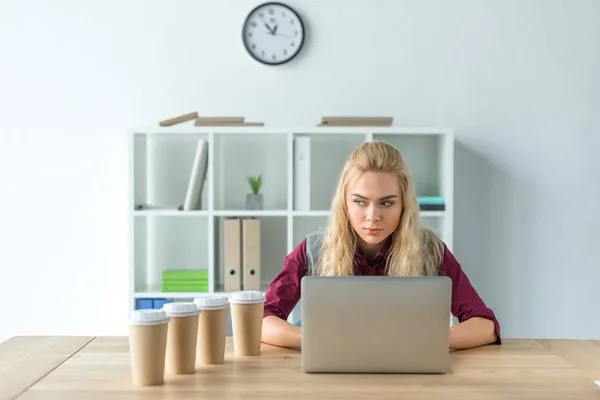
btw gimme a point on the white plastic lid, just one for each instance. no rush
(148, 317)
(181, 309)
(211, 303)
(247, 297)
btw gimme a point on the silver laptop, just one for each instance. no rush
(375, 324)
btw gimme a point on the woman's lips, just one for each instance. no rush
(372, 231)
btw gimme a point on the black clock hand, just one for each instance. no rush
(269, 28)
(274, 30)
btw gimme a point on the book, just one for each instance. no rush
(167, 289)
(356, 121)
(431, 203)
(183, 274)
(179, 119)
(226, 123)
(220, 119)
(164, 207)
(430, 207)
(193, 196)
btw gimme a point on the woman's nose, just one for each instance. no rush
(373, 214)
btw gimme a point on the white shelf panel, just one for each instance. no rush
(316, 213)
(170, 213)
(250, 213)
(177, 295)
(438, 214)
(283, 130)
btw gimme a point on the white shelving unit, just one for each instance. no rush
(161, 161)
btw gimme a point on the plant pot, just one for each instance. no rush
(254, 201)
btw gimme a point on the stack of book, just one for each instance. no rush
(185, 280)
(209, 121)
(179, 119)
(431, 203)
(224, 121)
(356, 121)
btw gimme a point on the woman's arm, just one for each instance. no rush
(280, 333)
(478, 323)
(476, 331)
(282, 296)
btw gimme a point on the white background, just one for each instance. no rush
(518, 80)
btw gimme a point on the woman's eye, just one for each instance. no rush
(388, 203)
(359, 202)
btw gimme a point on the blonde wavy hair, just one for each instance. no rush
(415, 250)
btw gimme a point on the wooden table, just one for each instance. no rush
(98, 368)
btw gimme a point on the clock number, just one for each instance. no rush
(262, 15)
(293, 44)
(274, 57)
(271, 11)
(253, 24)
(285, 52)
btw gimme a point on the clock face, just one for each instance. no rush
(273, 33)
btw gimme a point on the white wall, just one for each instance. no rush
(517, 79)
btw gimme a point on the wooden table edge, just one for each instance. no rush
(547, 344)
(21, 391)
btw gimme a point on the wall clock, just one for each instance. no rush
(273, 33)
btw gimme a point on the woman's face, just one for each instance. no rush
(374, 206)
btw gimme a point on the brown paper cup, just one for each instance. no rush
(181, 338)
(147, 346)
(247, 309)
(212, 330)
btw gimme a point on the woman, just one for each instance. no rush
(374, 229)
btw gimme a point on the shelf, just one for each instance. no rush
(324, 213)
(168, 243)
(177, 295)
(237, 156)
(250, 213)
(282, 130)
(273, 248)
(170, 213)
(161, 168)
(269, 213)
(424, 156)
(165, 237)
(437, 214)
(435, 224)
(319, 161)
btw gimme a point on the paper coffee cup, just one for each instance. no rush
(181, 338)
(247, 307)
(147, 346)
(212, 330)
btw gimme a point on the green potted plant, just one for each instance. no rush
(254, 200)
